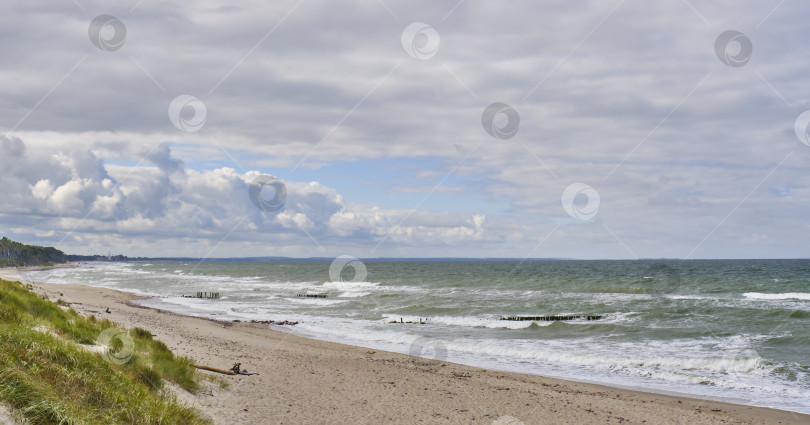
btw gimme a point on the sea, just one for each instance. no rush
(730, 330)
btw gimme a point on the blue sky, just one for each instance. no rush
(384, 181)
(582, 129)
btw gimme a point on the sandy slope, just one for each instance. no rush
(307, 381)
(5, 416)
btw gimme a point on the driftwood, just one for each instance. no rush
(235, 370)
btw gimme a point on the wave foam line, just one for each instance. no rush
(786, 296)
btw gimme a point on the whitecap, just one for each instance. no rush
(785, 296)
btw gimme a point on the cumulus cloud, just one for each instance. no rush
(160, 199)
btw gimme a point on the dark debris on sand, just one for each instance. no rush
(269, 322)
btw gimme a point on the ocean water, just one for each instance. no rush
(736, 330)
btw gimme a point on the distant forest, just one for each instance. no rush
(16, 254)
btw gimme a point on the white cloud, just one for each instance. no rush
(42, 190)
(166, 201)
(698, 141)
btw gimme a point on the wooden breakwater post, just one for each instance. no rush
(551, 318)
(207, 295)
(311, 295)
(421, 321)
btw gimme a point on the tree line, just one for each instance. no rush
(16, 254)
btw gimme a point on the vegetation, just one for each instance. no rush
(53, 371)
(15, 254)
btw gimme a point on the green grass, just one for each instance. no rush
(50, 374)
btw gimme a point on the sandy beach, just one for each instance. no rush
(302, 380)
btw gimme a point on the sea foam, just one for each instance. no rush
(786, 296)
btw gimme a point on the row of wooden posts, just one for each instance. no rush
(208, 295)
(550, 318)
(215, 296)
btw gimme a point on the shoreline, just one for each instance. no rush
(313, 381)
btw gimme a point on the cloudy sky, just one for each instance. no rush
(584, 129)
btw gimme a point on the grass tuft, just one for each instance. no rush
(142, 333)
(51, 373)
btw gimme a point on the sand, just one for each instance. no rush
(305, 381)
(5, 415)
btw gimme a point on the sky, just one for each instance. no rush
(613, 129)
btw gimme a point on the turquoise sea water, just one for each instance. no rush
(729, 329)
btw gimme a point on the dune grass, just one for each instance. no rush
(53, 371)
